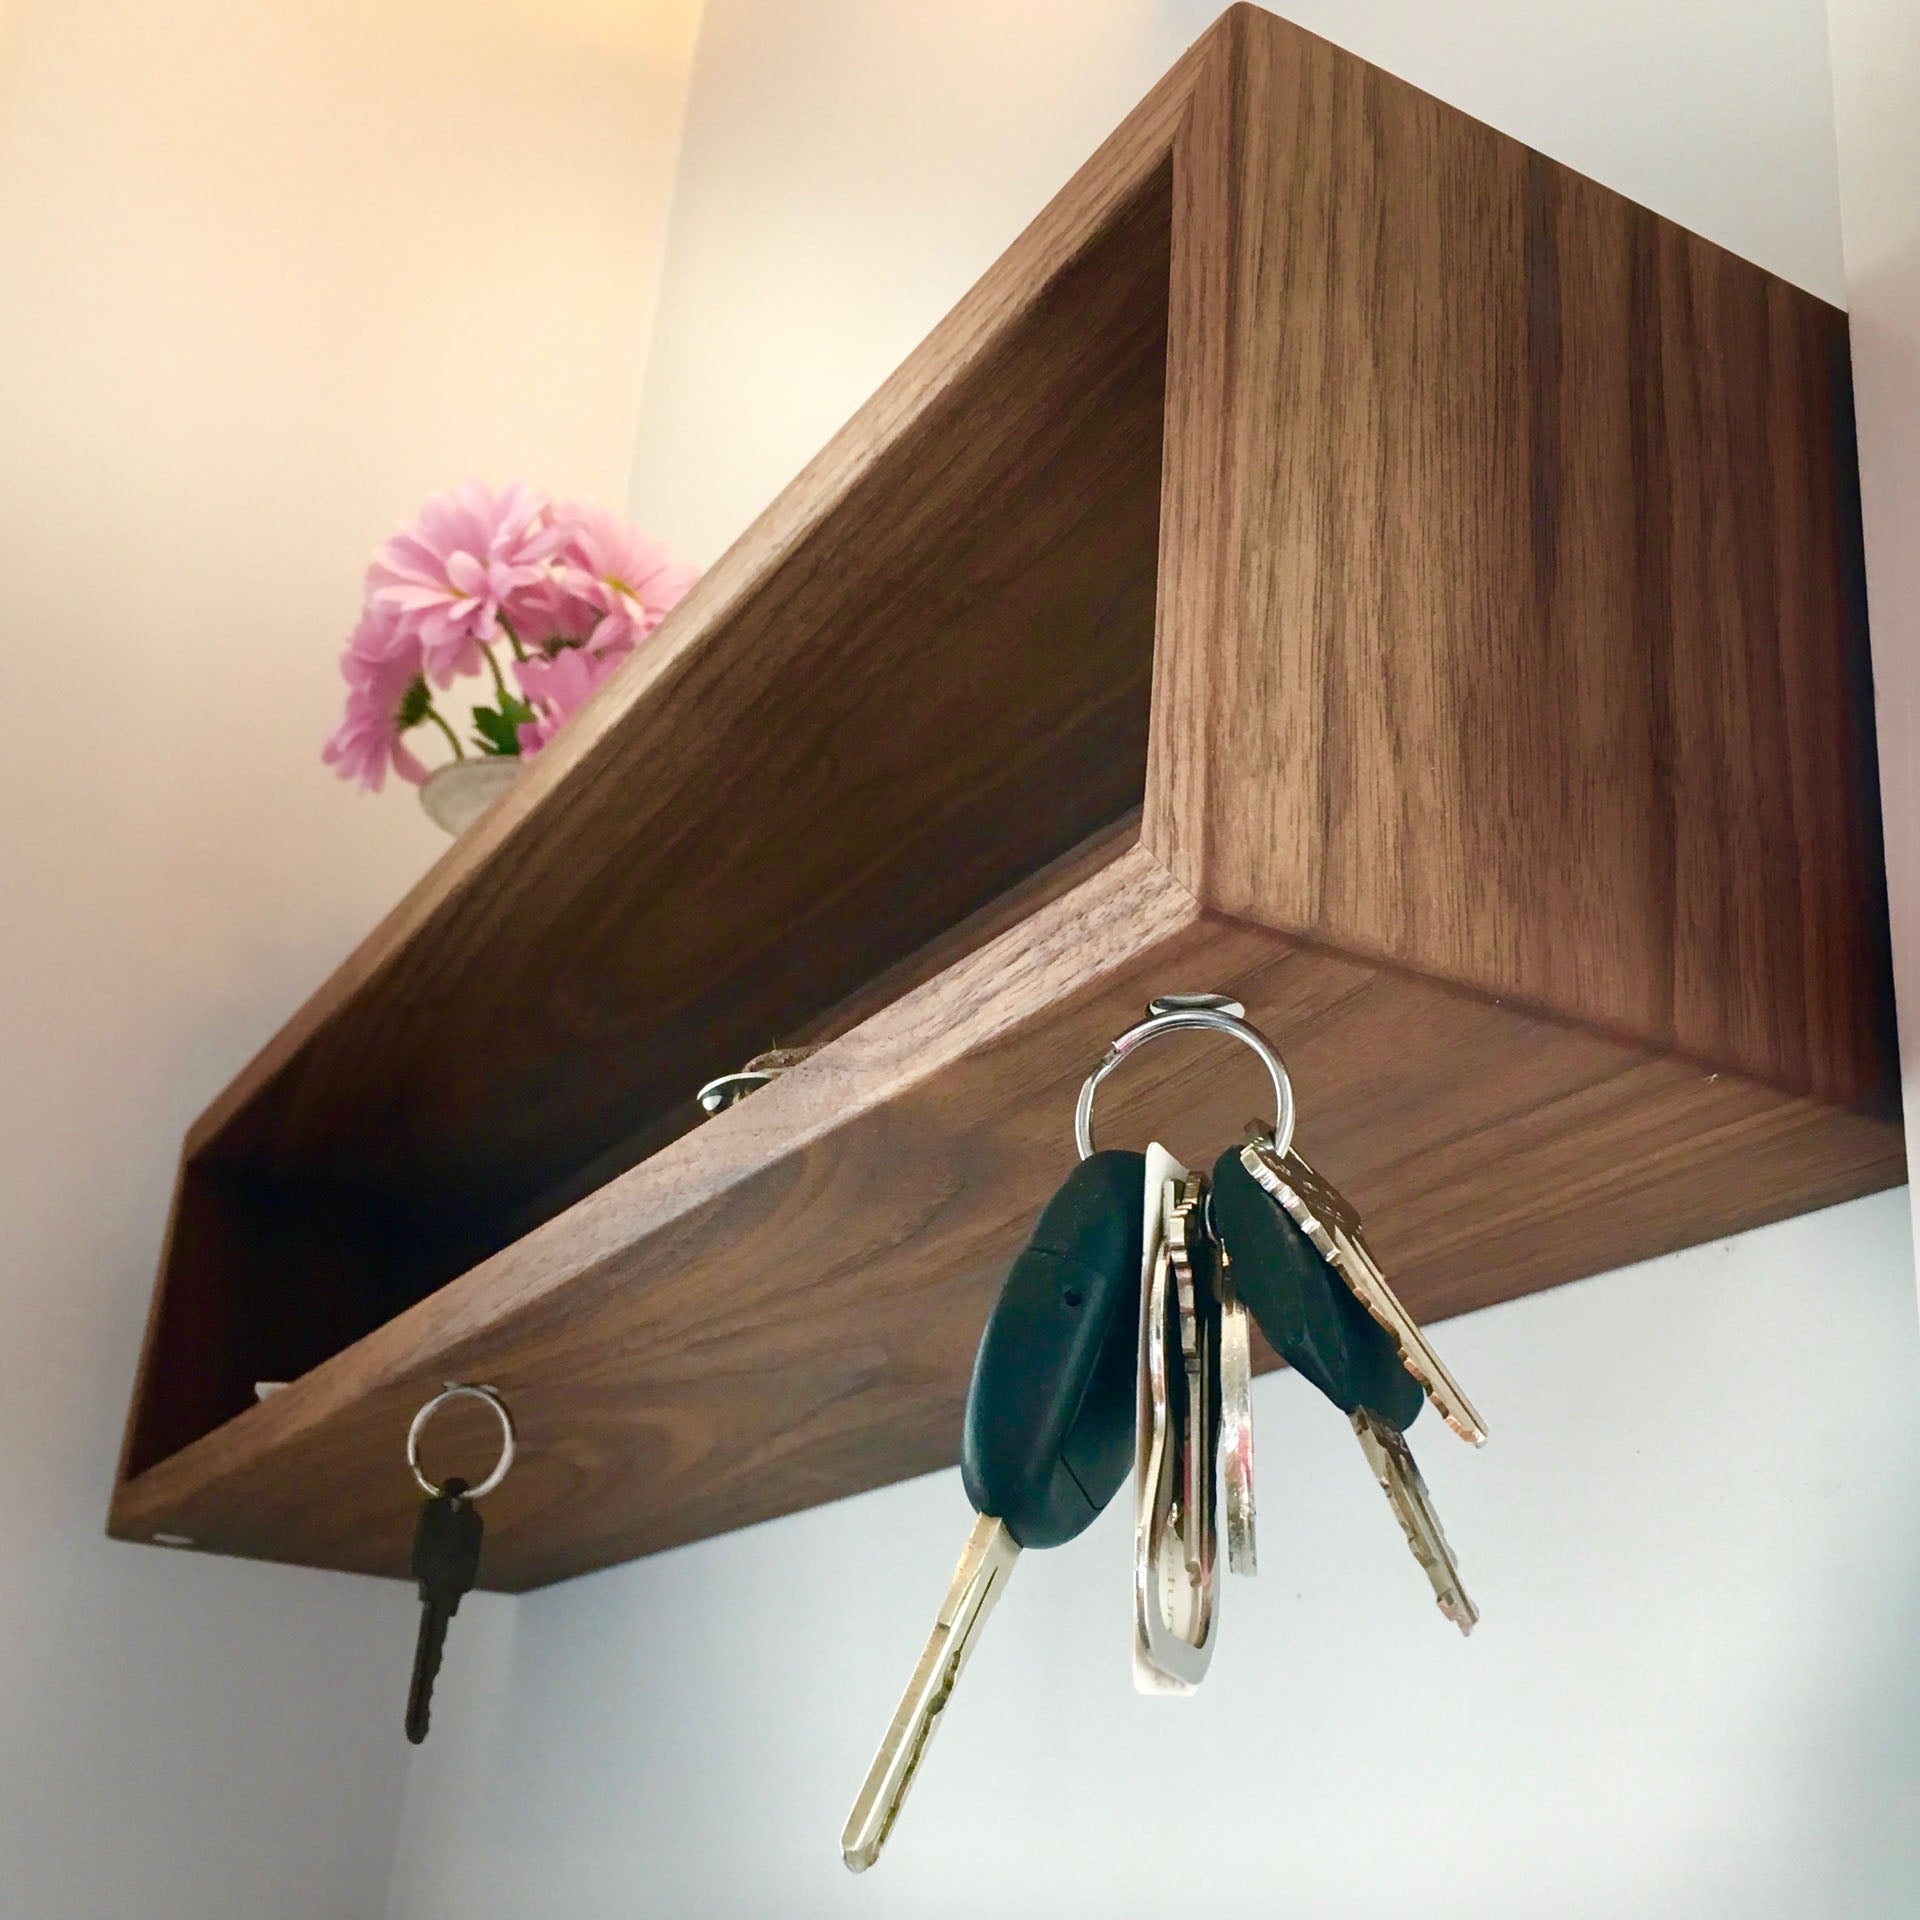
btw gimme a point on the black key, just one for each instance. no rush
(1303, 1306)
(1049, 1429)
(446, 1562)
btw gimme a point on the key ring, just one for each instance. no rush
(1188, 1013)
(453, 1390)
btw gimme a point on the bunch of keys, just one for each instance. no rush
(1282, 1246)
(1123, 1329)
(446, 1546)
(1194, 1384)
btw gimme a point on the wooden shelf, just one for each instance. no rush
(1337, 556)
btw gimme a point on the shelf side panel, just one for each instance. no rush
(1509, 620)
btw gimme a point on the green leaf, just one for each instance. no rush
(498, 732)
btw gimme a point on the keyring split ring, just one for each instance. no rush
(453, 1390)
(1172, 1018)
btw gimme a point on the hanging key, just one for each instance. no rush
(446, 1562)
(1190, 1260)
(1332, 1225)
(1175, 1427)
(1048, 1440)
(1303, 1307)
(1330, 1222)
(446, 1546)
(1236, 1417)
(1400, 1480)
(1319, 1327)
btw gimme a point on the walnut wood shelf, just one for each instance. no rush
(1337, 556)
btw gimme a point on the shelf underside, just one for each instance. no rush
(1335, 557)
(780, 1308)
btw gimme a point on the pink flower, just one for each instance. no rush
(386, 694)
(547, 617)
(614, 567)
(558, 687)
(447, 575)
(381, 635)
(574, 590)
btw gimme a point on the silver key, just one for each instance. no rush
(1174, 1525)
(1393, 1466)
(1236, 1416)
(977, 1584)
(1186, 1229)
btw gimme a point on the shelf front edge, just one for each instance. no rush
(780, 1309)
(909, 1147)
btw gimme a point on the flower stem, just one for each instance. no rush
(506, 627)
(499, 679)
(453, 739)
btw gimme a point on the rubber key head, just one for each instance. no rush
(1049, 1429)
(1302, 1305)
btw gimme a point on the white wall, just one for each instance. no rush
(1694, 1538)
(1876, 84)
(850, 167)
(268, 273)
(1694, 1692)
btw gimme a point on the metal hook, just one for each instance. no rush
(454, 1390)
(731, 1088)
(1189, 1013)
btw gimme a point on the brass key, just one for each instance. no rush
(1319, 1326)
(1331, 1223)
(1393, 1466)
(978, 1582)
(1047, 1442)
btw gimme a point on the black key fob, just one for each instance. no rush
(1049, 1430)
(1303, 1306)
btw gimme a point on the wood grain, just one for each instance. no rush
(781, 1307)
(1337, 557)
(1509, 616)
(922, 676)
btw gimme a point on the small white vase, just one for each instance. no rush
(456, 795)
